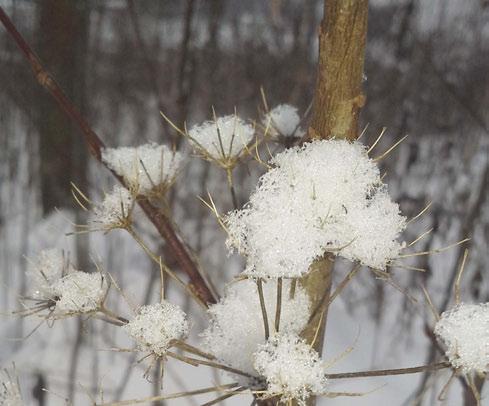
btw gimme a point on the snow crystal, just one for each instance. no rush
(326, 196)
(465, 332)
(236, 328)
(114, 209)
(222, 140)
(49, 266)
(149, 168)
(79, 292)
(156, 326)
(291, 367)
(284, 120)
(9, 391)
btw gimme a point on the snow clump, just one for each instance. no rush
(284, 120)
(79, 292)
(464, 330)
(49, 266)
(115, 209)
(326, 196)
(222, 140)
(156, 326)
(148, 169)
(236, 328)
(291, 367)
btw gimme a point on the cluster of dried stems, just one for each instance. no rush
(330, 115)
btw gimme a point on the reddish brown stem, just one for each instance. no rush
(95, 145)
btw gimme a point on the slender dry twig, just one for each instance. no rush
(279, 304)
(389, 372)
(259, 285)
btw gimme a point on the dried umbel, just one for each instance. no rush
(292, 369)
(148, 169)
(464, 330)
(10, 394)
(157, 326)
(115, 210)
(326, 196)
(222, 140)
(58, 287)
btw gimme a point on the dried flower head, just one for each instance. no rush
(115, 210)
(223, 140)
(156, 326)
(236, 327)
(284, 121)
(464, 330)
(148, 169)
(326, 196)
(292, 368)
(10, 394)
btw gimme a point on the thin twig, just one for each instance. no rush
(279, 304)
(259, 285)
(388, 372)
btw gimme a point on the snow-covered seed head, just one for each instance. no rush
(156, 327)
(48, 267)
(326, 196)
(236, 327)
(283, 120)
(291, 367)
(149, 169)
(223, 140)
(10, 394)
(79, 292)
(115, 210)
(464, 330)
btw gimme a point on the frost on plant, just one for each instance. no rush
(156, 326)
(236, 328)
(149, 169)
(49, 266)
(222, 140)
(115, 209)
(9, 390)
(291, 367)
(283, 120)
(326, 196)
(464, 330)
(79, 292)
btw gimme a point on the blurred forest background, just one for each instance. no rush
(124, 61)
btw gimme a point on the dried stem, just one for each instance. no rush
(279, 304)
(229, 174)
(259, 285)
(389, 372)
(95, 146)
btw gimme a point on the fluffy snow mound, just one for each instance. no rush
(223, 139)
(146, 168)
(114, 209)
(291, 368)
(79, 292)
(156, 326)
(284, 120)
(236, 328)
(49, 266)
(326, 196)
(464, 330)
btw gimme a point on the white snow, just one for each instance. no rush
(114, 209)
(326, 196)
(291, 367)
(148, 168)
(464, 330)
(237, 328)
(284, 120)
(222, 140)
(156, 326)
(79, 292)
(48, 267)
